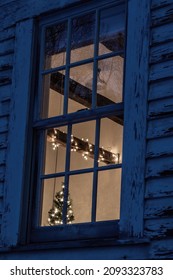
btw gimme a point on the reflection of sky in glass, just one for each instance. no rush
(111, 22)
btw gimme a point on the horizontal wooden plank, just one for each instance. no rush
(3, 140)
(162, 249)
(160, 207)
(6, 59)
(161, 53)
(158, 228)
(5, 92)
(161, 70)
(159, 167)
(5, 81)
(1, 189)
(161, 107)
(7, 34)
(2, 177)
(161, 89)
(2, 156)
(160, 127)
(5, 107)
(7, 45)
(162, 15)
(155, 4)
(4, 121)
(1, 205)
(160, 147)
(161, 34)
(159, 187)
(5, 67)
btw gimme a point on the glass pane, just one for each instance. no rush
(80, 191)
(82, 37)
(110, 81)
(82, 145)
(53, 95)
(110, 151)
(55, 150)
(111, 37)
(108, 195)
(80, 87)
(52, 202)
(55, 46)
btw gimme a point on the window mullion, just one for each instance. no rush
(66, 86)
(67, 168)
(95, 175)
(94, 89)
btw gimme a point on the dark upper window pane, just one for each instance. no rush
(82, 41)
(111, 37)
(55, 46)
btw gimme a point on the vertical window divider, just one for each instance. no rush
(95, 175)
(67, 68)
(40, 78)
(95, 67)
(67, 168)
(39, 194)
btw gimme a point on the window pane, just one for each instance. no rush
(82, 145)
(80, 191)
(110, 81)
(55, 150)
(52, 202)
(111, 30)
(53, 95)
(82, 37)
(80, 87)
(55, 46)
(108, 195)
(110, 151)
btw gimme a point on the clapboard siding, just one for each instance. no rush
(7, 34)
(160, 147)
(161, 53)
(160, 90)
(161, 34)
(161, 207)
(158, 213)
(161, 70)
(159, 228)
(162, 107)
(7, 40)
(160, 127)
(155, 4)
(159, 167)
(159, 187)
(162, 15)
(162, 249)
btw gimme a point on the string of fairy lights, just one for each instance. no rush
(84, 147)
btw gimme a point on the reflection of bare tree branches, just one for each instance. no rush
(56, 38)
(82, 35)
(83, 31)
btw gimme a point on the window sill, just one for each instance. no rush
(113, 242)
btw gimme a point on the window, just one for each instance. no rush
(79, 124)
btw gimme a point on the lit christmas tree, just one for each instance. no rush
(56, 212)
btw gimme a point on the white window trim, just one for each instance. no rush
(136, 84)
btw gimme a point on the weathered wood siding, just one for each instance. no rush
(159, 166)
(158, 212)
(7, 38)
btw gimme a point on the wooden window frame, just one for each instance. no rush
(91, 229)
(14, 228)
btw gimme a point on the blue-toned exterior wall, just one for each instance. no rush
(158, 200)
